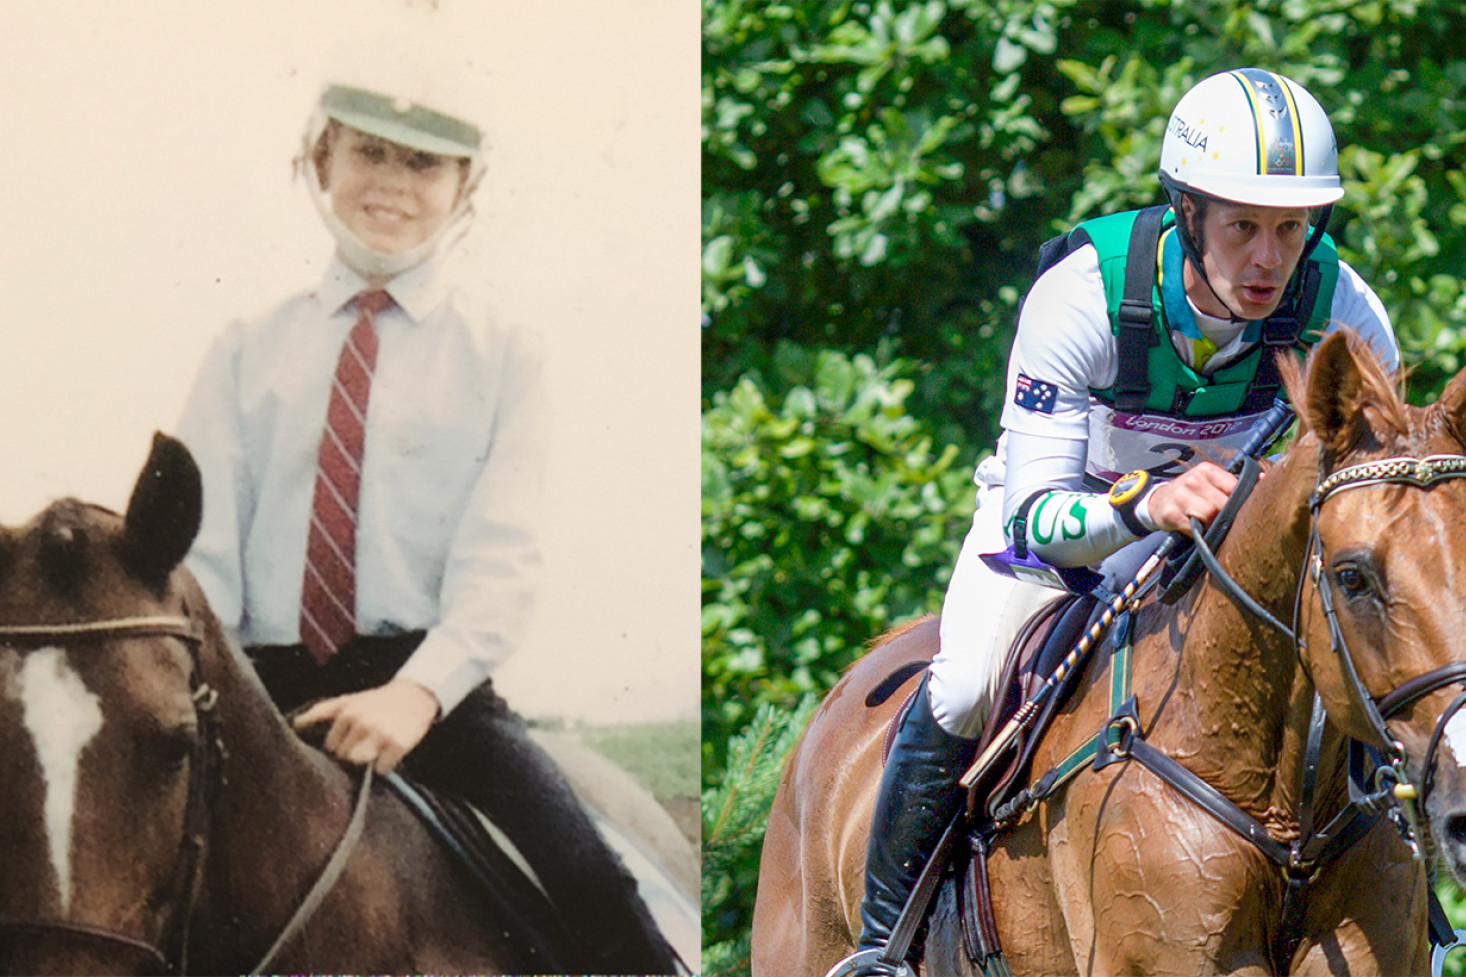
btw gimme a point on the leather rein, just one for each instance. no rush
(1392, 787)
(1300, 861)
(170, 952)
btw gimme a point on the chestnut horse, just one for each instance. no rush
(1358, 537)
(160, 816)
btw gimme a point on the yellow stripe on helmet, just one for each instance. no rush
(1275, 120)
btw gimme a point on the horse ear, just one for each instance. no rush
(1334, 399)
(1452, 406)
(164, 512)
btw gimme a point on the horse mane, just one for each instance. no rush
(896, 631)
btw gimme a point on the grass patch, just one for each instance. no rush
(663, 757)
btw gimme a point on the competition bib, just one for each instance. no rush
(1164, 446)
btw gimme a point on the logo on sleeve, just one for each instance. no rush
(1035, 394)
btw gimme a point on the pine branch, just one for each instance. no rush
(735, 815)
(739, 806)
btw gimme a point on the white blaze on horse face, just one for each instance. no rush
(62, 715)
(1455, 737)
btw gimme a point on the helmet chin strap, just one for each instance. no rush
(369, 262)
(366, 260)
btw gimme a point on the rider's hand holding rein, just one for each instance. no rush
(378, 727)
(1199, 492)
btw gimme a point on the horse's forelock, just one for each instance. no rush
(66, 539)
(1383, 404)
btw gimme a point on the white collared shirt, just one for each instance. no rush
(452, 473)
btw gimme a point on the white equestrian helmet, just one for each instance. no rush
(402, 121)
(1253, 137)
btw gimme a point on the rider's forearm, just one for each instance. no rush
(1066, 525)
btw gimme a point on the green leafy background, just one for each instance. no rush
(877, 178)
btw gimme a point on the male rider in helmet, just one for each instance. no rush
(1251, 168)
(394, 628)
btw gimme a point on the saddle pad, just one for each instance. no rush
(1017, 683)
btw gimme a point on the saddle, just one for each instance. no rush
(503, 876)
(509, 878)
(1039, 648)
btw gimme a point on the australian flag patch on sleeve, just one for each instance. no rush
(1035, 394)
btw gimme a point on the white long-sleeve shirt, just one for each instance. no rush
(452, 473)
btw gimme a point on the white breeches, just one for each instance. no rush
(981, 615)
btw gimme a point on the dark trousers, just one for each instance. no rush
(481, 751)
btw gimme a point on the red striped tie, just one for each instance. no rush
(328, 595)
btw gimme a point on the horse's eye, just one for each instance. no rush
(1351, 581)
(173, 748)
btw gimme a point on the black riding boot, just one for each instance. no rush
(918, 799)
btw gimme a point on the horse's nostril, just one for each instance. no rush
(1455, 827)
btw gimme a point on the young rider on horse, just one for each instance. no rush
(1107, 435)
(440, 555)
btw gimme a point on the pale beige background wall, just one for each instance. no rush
(146, 198)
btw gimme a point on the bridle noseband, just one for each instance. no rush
(170, 952)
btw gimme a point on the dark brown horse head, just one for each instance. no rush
(99, 727)
(1391, 550)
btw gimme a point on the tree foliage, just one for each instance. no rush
(828, 514)
(733, 816)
